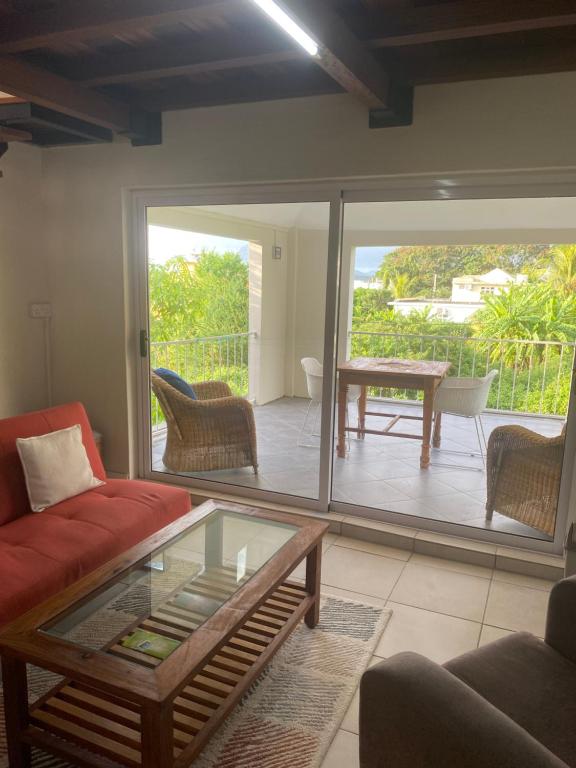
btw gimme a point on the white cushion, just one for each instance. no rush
(56, 467)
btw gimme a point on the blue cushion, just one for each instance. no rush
(172, 378)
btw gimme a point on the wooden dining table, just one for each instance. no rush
(392, 373)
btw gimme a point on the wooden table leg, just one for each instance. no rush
(16, 711)
(342, 407)
(362, 411)
(313, 569)
(437, 434)
(427, 413)
(157, 736)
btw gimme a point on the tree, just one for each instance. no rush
(171, 314)
(371, 304)
(208, 297)
(559, 268)
(531, 311)
(400, 285)
(220, 294)
(427, 265)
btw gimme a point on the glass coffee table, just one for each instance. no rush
(157, 646)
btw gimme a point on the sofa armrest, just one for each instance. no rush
(561, 618)
(416, 714)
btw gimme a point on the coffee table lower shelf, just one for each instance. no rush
(94, 729)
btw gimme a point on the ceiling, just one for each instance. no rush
(511, 215)
(84, 70)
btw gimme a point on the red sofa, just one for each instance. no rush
(43, 552)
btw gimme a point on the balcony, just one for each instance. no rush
(531, 390)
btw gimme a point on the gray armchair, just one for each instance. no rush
(509, 704)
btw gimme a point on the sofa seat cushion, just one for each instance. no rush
(49, 550)
(531, 683)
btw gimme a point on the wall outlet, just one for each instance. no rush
(277, 252)
(40, 310)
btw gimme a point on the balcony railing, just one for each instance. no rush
(222, 358)
(533, 376)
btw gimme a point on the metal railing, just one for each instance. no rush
(222, 358)
(533, 376)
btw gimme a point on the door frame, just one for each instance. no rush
(336, 192)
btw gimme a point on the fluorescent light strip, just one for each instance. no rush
(289, 25)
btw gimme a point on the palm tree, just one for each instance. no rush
(560, 268)
(531, 311)
(399, 285)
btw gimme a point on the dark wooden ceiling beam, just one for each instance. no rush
(240, 87)
(31, 117)
(460, 20)
(46, 89)
(72, 20)
(42, 87)
(348, 62)
(13, 134)
(201, 57)
(341, 54)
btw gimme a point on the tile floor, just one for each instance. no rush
(381, 472)
(441, 608)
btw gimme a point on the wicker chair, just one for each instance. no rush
(523, 476)
(216, 431)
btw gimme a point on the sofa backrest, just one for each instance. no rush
(13, 495)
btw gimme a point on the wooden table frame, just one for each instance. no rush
(159, 714)
(386, 372)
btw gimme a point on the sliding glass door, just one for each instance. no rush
(236, 323)
(456, 353)
(409, 361)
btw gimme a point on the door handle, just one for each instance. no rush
(143, 343)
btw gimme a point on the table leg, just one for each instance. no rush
(313, 569)
(437, 434)
(427, 413)
(362, 411)
(157, 736)
(342, 407)
(16, 711)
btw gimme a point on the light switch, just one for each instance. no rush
(40, 310)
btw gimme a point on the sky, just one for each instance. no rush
(163, 243)
(368, 259)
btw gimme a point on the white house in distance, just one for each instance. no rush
(475, 287)
(468, 292)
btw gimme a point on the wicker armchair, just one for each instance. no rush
(523, 476)
(216, 431)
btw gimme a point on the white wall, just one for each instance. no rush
(306, 305)
(522, 123)
(23, 279)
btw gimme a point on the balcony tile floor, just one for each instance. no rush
(380, 472)
(441, 609)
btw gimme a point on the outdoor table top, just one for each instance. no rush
(392, 365)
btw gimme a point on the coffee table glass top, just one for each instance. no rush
(146, 612)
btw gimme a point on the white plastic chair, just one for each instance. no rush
(314, 381)
(466, 397)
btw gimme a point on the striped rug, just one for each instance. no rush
(293, 711)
